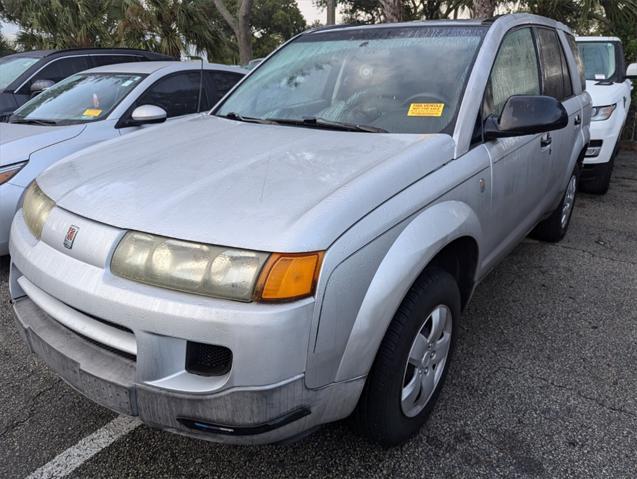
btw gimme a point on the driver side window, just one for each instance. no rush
(515, 71)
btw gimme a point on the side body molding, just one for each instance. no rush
(427, 233)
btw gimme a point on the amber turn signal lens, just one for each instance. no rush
(289, 276)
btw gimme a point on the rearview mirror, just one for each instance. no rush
(631, 71)
(147, 114)
(526, 115)
(39, 86)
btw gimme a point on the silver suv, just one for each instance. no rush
(305, 251)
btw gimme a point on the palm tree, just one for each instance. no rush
(63, 23)
(170, 26)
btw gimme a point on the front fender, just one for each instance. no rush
(427, 233)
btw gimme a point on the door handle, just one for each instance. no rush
(546, 140)
(578, 120)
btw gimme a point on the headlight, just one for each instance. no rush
(8, 172)
(36, 208)
(214, 271)
(601, 113)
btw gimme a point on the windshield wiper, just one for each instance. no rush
(248, 119)
(318, 122)
(33, 121)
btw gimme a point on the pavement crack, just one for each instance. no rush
(574, 391)
(594, 255)
(18, 422)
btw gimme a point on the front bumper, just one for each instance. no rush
(608, 132)
(72, 313)
(9, 197)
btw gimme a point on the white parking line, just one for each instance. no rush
(69, 460)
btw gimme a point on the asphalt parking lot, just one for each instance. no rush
(543, 383)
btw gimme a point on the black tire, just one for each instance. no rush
(552, 229)
(599, 184)
(379, 414)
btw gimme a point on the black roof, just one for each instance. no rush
(88, 51)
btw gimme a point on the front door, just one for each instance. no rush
(521, 164)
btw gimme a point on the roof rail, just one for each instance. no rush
(490, 20)
(330, 27)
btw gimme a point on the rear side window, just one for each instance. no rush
(578, 60)
(515, 71)
(219, 83)
(178, 94)
(557, 81)
(99, 60)
(58, 70)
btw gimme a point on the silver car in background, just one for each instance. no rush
(97, 105)
(304, 252)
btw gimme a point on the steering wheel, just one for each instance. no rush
(368, 106)
(428, 96)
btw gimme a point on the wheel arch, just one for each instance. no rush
(446, 234)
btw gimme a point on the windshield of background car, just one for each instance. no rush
(12, 68)
(401, 79)
(80, 98)
(599, 59)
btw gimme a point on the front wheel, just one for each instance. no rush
(412, 361)
(553, 228)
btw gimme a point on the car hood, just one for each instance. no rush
(18, 142)
(261, 187)
(606, 94)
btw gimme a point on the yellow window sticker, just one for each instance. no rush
(92, 112)
(426, 109)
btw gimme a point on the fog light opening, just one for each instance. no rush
(207, 359)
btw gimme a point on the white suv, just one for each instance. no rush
(610, 89)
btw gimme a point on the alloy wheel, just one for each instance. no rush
(426, 361)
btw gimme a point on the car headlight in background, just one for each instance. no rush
(8, 172)
(214, 271)
(36, 207)
(601, 113)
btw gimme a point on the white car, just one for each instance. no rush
(609, 84)
(97, 105)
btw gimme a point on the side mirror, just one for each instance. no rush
(39, 86)
(631, 71)
(147, 114)
(526, 115)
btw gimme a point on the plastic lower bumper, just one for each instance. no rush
(258, 415)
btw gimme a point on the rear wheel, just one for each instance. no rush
(412, 361)
(555, 226)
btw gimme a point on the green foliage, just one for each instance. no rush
(273, 22)
(370, 11)
(173, 27)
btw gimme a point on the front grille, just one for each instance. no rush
(207, 359)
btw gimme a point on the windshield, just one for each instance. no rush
(599, 59)
(394, 79)
(12, 68)
(80, 98)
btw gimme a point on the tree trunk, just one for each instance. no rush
(331, 12)
(392, 10)
(245, 32)
(484, 8)
(241, 27)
